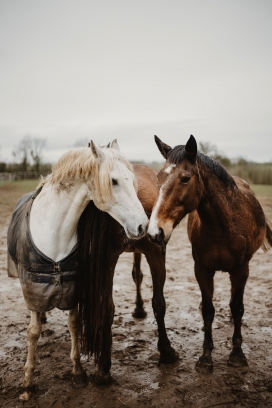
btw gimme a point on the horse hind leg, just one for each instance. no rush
(33, 334)
(238, 278)
(137, 275)
(204, 277)
(78, 370)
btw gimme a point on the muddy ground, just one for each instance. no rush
(139, 381)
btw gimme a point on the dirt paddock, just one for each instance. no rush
(139, 381)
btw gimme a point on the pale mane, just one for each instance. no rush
(81, 164)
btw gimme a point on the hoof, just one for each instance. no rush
(26, 391)
(100, 379)
(169, 357)
(25, 396)
(139, 313)
(237, 359)
(204, 365)
(80, 378)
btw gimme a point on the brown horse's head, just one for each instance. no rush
(180, 189)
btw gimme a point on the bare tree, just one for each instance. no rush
(3, 165)
(22, 153)
(208, 148)
(29, 149)
(37, 147)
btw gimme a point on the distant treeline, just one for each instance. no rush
(28, 158)
(252, 172)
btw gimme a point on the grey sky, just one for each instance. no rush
(129, 69)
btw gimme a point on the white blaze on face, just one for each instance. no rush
(125, 206)
(169, 168)
(155, 224)
(153, 228)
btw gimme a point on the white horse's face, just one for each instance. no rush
(124, 205)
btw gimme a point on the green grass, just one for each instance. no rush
(21, 186)
(12, 191)
(262, 190)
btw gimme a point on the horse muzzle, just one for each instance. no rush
(157, 238)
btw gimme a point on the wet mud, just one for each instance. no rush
(139, 380)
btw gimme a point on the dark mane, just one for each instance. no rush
(178, 154)
(94, 284)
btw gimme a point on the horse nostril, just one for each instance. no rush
(160, 235)
(140, 230)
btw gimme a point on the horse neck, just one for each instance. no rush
(54, 218)
(215, 206)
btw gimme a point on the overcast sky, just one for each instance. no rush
(129, 69)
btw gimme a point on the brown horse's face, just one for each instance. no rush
(179, 194)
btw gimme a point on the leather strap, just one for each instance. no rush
(54, 267)
(54, 280)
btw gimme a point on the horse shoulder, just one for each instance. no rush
(147, 186)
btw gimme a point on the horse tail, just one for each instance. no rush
(94, 284)
(267, 244)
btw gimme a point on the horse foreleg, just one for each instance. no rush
(204, 277)
(78, 370)
(238, 278)
(137, 275)
(33, 334)
(156, 259)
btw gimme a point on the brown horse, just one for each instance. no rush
(226, 225)
(107, 239)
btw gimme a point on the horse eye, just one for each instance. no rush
(185, 180)
(114, 182)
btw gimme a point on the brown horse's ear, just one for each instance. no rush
(163, 148)
(191, 148)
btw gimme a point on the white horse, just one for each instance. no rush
(79, 176)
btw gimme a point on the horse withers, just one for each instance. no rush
(42, 235)
(226, 225)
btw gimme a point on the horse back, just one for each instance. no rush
(147, 186)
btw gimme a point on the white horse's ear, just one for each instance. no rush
(114, 145)
(97, 152)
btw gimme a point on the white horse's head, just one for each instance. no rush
(114, 189)
(109, 182)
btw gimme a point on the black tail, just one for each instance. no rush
(267, 244)
(94, 286)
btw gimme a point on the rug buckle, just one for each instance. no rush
(57, 267)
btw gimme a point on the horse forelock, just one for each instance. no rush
(81, 164)
(178, 154)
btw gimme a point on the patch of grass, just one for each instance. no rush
(22, 186)
(262, 190)
(11, 192)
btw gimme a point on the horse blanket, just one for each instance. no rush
(46, 284)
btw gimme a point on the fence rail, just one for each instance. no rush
(21, 175)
